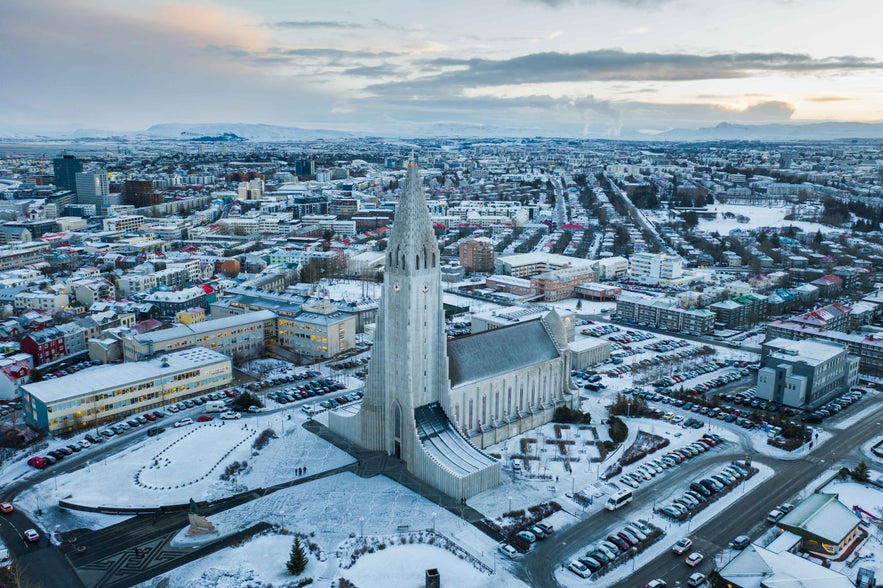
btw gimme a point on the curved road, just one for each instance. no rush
(790, 477)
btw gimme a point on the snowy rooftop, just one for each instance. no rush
(207, 326)
(114, 376)
(756, 567)
(824, 516)
(809, 351)
(484, 355)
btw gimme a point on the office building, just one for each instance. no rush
(804, 373)
(105, 393)
(66, 169)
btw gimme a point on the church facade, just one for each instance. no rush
(423, 396)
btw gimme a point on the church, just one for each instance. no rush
(436, 404)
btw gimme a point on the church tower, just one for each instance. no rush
(406, 409)
(408, 366)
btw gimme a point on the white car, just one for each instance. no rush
(579, 568)
(694, 559)
(508, 550)
(184, 422)
(84, 444)
(696, 579)
(230, 415)
(682, 546)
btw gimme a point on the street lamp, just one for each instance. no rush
(89, 465)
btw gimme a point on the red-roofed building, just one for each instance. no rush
(16, 369)
(829, 286)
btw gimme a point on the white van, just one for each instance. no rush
(215, 406)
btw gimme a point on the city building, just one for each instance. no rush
(663, 313)
(588, 351)
(96, 395)
(239, 337)
(825, 525)
(759, 567)
(804, 373)
(92, 188)
(741, 312)
(559, 284)
(15, 370)
(66, 169)
(407, 406)
(170, 303)
(319, 331)
(868, 347)
(526, 265)
(655, 268)
(477, 255)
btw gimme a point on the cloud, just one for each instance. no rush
(625, 3)
(828, 98)
(618, 65)
(316, 24)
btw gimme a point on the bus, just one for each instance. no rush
(618, 499)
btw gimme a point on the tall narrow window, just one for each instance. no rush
(397, 425)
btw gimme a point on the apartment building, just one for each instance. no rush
(805, 373)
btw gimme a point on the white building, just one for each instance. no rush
(109, 392)
(655, 268)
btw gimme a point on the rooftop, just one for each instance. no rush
(107, 377)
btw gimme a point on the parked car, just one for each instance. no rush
(204, 418)
(657, 583)
(230, 415)
(508, 550)
(740, 542)
(696, 579)
(527, 536)
(579, 568)
(184, 422)
(6, 507)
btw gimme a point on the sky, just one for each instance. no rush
(595, 68)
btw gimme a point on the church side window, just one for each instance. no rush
(509, 402)
(533, 394)
(397, 425)
(497, 405)
(470, 413)
(484, 409)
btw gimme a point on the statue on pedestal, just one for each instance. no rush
(199, 525)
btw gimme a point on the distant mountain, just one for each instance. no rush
(251, 132)
(777, 132)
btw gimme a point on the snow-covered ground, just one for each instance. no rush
(760, 216)
(184, 463)
(333, 509)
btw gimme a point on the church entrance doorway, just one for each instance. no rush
(398, 450)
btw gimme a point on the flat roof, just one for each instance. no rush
(809, 351)
(107, 377)
(206, 326)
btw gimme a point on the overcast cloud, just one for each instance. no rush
(561, 65)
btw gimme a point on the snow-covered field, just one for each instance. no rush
(333, 509)
(184, 463)
(760, 216)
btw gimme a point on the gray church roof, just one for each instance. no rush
(485, 355)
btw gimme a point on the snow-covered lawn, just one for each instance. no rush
(406, 565)
(334, 509)
(760, 216)
(185, 463)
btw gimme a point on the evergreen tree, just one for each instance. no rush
(297, 563)
(860, 472)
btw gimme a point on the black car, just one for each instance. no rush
(700, 488)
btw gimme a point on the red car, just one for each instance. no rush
(230, 393)
(38, 462)
(150, 416)
(204, 418)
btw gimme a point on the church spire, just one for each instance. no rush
(412, 242)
